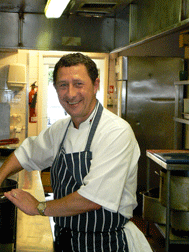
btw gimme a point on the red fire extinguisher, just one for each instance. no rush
(32, 103)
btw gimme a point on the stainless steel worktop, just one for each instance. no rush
(33, 232)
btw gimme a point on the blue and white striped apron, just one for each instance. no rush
(95, 231)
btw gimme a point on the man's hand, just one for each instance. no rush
(70, 205)
(23, 200)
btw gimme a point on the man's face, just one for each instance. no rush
(76, 92)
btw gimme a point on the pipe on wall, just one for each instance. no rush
(20, 29)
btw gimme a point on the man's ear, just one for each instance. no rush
(96, 85)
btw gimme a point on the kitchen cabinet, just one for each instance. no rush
(166, 230)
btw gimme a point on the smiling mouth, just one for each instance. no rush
(73, 103)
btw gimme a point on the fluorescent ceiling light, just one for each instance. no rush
(55, 8)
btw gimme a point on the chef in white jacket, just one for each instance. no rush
(93, 157)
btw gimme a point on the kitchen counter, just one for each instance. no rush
(151, 154)
(33, 232)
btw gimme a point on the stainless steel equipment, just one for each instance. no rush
(180, 222)
(147, 103)
(87, 7)
(170, 167)
(97, 8)
(179, 188)
(152, 208)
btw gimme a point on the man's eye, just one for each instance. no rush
(62, 85)
(79, 83)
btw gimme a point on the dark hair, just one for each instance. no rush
(73, 59)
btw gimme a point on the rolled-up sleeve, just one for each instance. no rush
(38, 153)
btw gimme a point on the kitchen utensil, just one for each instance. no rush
(9, 141)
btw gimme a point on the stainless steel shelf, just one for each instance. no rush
(174, 239)
(185, 82)
(169, 167)
(179, 106)
(181, 120)
(166, 230)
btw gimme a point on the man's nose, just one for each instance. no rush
(72, 91)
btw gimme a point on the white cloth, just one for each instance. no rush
(136, 239)
(112, 180)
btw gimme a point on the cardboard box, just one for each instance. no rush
(46, 181)
(186, 53)
(184, 39)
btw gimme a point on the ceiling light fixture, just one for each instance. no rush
(55, 8)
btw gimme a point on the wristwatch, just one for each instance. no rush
(41, 208)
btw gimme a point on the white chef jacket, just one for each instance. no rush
(112, 179)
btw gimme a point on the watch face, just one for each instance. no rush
(41, 208)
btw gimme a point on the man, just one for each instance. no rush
(93, 158)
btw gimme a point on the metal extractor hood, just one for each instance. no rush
(96, 8)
